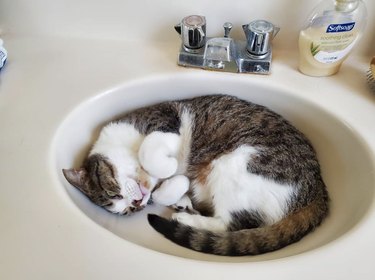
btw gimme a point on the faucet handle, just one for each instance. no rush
(259, 35)
(193, 32)
(227, 28)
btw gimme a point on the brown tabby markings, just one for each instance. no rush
(203, 173)
(221, 125)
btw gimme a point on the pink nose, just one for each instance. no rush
(136, 203)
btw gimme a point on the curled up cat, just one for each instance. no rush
(251, 182)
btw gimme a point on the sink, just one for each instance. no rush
(346, 165)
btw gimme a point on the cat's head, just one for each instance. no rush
(98, 179)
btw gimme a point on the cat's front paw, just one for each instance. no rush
(158, 153)
(171, 190)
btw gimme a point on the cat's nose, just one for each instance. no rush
(137, 203)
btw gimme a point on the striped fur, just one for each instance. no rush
(251, 241)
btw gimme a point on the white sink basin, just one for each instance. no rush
(346, 165)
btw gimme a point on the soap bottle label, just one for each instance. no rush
(332, 44)
(334, 28)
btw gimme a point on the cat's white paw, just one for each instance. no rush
(201, 222)
(158, 154)
(185, 218)
(184, 204)
(171, 190)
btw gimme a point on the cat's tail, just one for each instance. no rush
(247, 241)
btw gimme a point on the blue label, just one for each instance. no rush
(3, 57)
(344, 27)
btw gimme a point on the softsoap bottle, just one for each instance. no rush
(330, 33)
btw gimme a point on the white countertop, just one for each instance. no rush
(43, 235)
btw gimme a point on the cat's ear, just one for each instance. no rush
(76, 177)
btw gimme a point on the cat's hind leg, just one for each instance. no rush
(158, 154)
(200, 222)
(184, 205)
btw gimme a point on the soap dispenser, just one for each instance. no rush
(332, 30)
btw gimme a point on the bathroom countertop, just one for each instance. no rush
(43, 235)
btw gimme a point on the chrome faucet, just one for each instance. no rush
(253, 55)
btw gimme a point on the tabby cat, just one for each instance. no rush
(250, 180)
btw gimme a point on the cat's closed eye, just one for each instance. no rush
(113, 195)
(107, 204)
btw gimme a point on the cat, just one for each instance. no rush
(251, 180)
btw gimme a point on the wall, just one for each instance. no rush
(154, 19)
